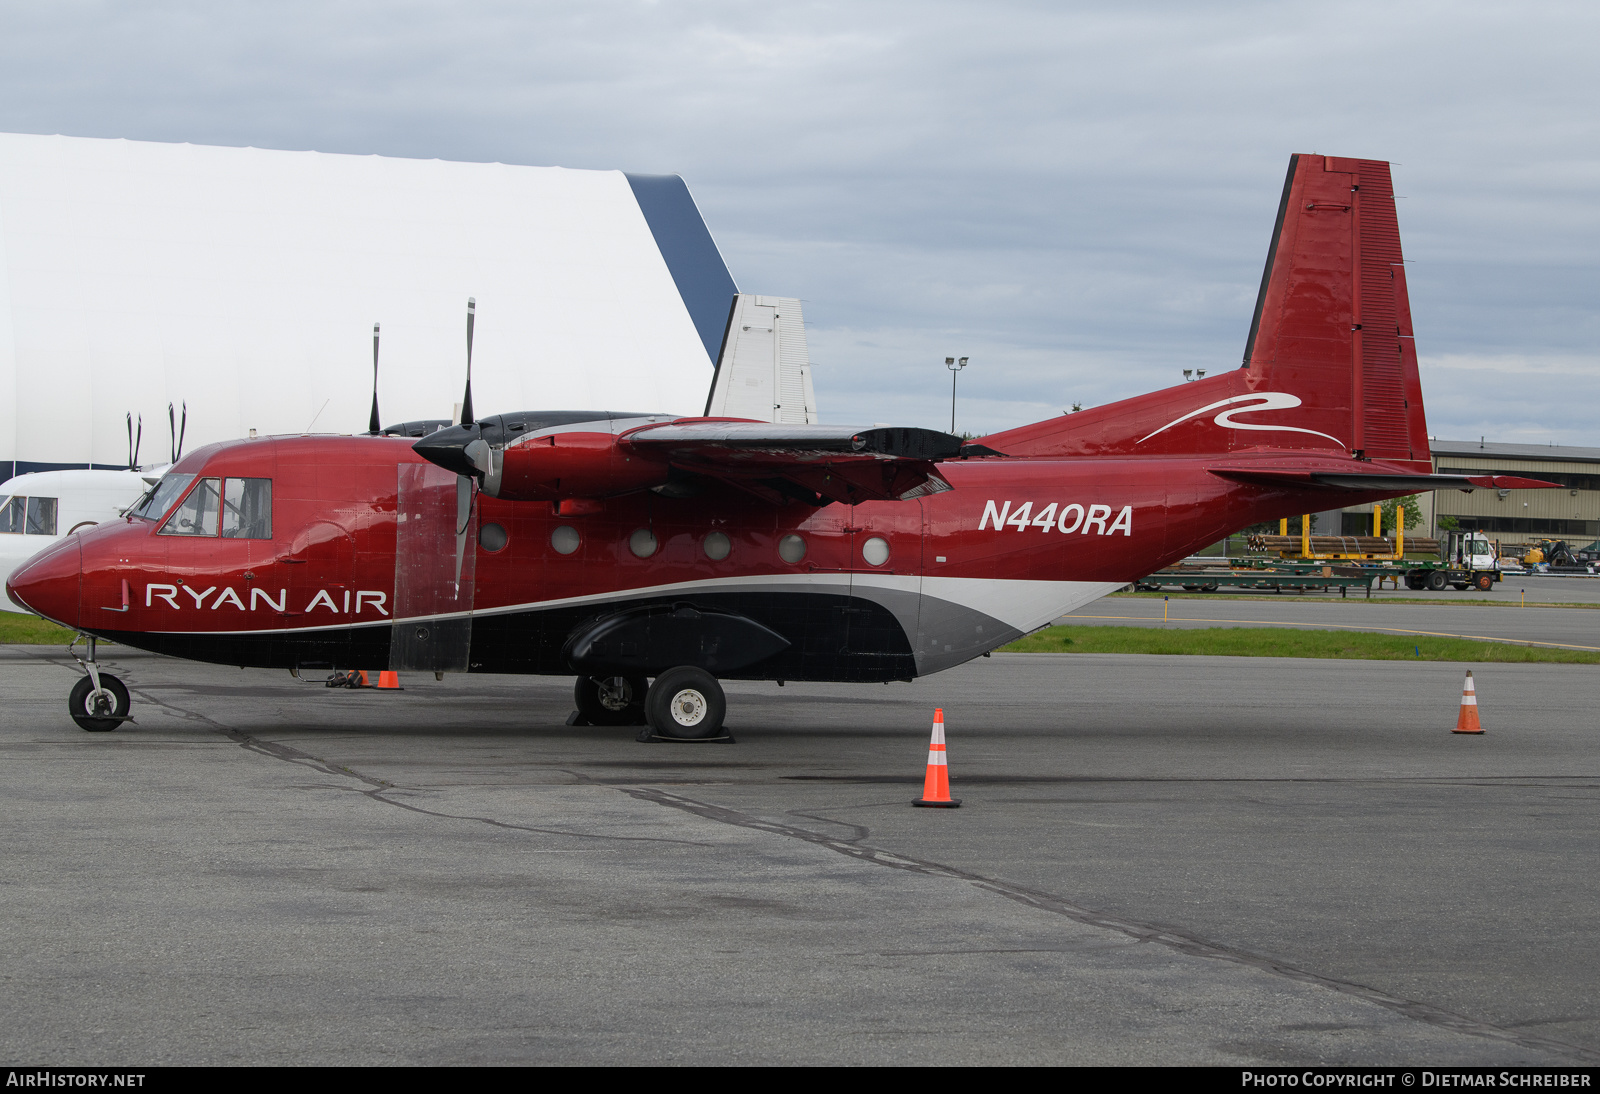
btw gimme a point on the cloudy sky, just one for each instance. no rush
(1077, 196)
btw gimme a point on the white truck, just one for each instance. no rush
(1467, 560)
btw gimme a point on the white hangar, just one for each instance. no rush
(245, 283)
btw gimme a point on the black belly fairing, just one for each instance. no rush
(832, 638)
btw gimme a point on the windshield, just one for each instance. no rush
(165, 493)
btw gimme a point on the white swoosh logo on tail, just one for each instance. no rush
(1261, 400)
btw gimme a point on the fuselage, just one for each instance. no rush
(365, 556)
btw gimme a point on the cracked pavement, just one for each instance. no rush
(1159, 860)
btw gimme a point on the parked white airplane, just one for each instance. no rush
(44, 507)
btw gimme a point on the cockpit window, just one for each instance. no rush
(11, 514)
(41, 516)
(247, 509)
(197, 516)
(240, 508)
(162, 495)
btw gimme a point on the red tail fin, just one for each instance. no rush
(1330, 364)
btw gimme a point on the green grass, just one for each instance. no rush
(1275, 642)
(30, 630)
(1319, 597)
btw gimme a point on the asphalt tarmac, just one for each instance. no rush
(1158, 860)
(1513, 588)
(1575, 628)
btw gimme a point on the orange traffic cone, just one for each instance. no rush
(1467, 721)
(364, 681)
(936, 786)
(389, 680)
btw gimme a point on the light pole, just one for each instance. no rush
(955, 368)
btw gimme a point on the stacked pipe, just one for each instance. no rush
(1344, 545)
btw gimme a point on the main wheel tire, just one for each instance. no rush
(610, 700)
(101, 712)
(1485, 582)
(1437, 581)
(1460, 586)
(686, 702)
(1413, 582)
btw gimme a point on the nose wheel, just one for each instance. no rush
(99, 701)
(102, 709)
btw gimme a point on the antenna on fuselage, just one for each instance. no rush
(466, 399)
(373, 425)
(133, 442)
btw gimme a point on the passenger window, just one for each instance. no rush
(41, 516)
(11, 515)
(197, 516)
(247, 509)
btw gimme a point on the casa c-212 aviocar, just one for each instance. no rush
(651, 556)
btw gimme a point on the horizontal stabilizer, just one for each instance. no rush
(1377, 482)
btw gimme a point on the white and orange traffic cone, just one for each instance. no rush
(390, 681)
(1467, 720)
(936, 786)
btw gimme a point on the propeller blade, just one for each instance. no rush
(183, 427)
(130, 440)
(464, 496)
(138, 441)
(172, 434)
(466, 399)
(373, 426)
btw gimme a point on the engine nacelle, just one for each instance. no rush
(556, 466)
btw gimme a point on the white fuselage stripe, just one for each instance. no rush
(1023, 605)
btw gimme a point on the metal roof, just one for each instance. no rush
(1487, 449)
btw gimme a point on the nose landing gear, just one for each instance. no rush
(98, 702)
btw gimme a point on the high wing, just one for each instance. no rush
(600, 455)
(837, 462)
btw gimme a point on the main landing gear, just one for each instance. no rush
(98, 702)
(684, 703)
(608, 701)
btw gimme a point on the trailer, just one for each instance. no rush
(1260, 575)
(1462, 560)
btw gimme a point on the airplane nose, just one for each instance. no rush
(47, 584)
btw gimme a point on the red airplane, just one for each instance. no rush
(624, 548)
